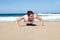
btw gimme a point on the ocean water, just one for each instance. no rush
(12, 17)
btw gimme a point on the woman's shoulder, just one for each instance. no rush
(27, 15)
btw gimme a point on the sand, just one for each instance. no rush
(9, 31)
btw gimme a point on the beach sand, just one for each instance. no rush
(9, 31)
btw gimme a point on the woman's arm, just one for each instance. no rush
(42, 21)
(18, 19)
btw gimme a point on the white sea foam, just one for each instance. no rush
(52, 17)
(6, 19)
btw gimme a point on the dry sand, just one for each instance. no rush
(8, 31)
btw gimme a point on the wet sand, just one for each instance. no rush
(9, 31)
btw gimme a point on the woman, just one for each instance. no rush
(29, 19)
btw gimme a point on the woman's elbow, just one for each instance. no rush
(42, 19)
(17, 20)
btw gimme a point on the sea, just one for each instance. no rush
(11, 17)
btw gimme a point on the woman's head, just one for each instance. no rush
(30, 15)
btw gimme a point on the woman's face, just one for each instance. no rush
(31, 17)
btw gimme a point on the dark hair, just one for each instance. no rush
(29, 12)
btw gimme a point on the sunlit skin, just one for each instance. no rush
(30, 19)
